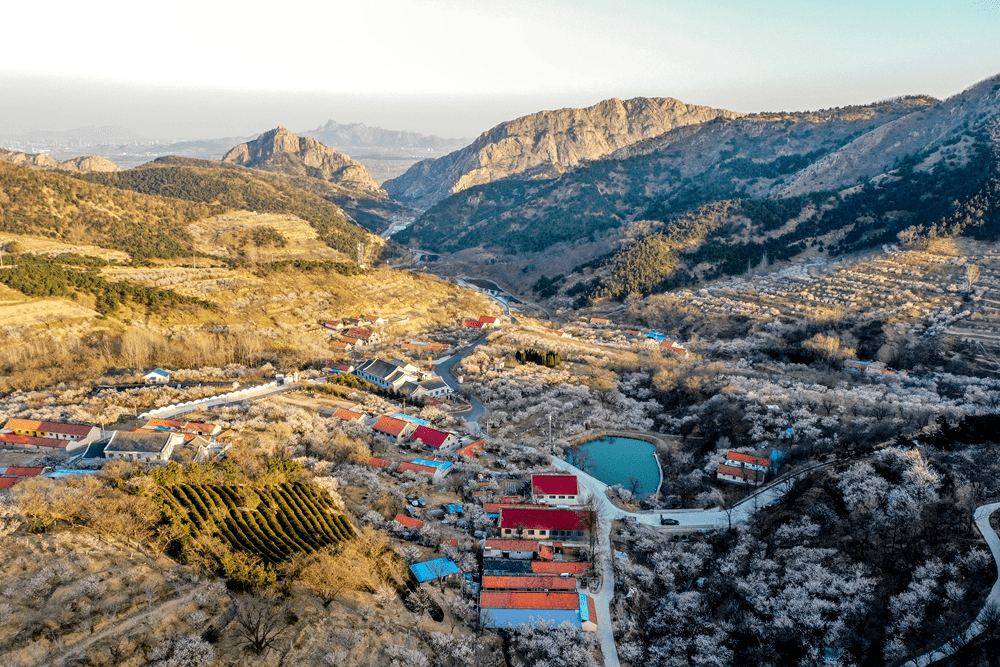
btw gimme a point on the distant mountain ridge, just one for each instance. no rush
(280, 150)
(359, 135)
(90, 134)
(43, 161)
(546, 144)
(717, 197)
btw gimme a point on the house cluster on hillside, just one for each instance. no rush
(54, 437)
(747, 469)
(163, 439)
(397, 375)
(356, 332)
(529, 573)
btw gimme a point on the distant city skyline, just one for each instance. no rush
(204, 70)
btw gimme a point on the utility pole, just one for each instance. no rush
(550, 428)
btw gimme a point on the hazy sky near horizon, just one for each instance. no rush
(181, 68)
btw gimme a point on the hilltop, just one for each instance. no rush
(546, 144)
(281, 151)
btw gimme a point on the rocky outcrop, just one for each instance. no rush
(281, 151)
(546, 144)
(43, 161)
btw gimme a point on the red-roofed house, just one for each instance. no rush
(376, 462)
(374, 319)
(529, 600)
(748, 461)
(14, 471)
(599, 321)
(80, 434)
(542, 567)
(333, 325)
(435, 439)
(334, 367)
(473, 450)
(516, 549)
(528, 583)
(394, 428)
(487, 320)
(739, 475)
(39, 444)
(7, 482)
(542, 524)
(555, 489)
(197, 428)
(348, 415)
(408, 522)
(341, 345)
(367, 335)
(472, 324)
(406, 466)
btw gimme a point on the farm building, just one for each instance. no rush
(132, 446)
(74, 435)
(157, 376)
(555, 489)
(542, 524)
(435, 439)
(512, 608)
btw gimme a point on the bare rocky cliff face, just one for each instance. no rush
(43, 161)
(547, 144)
(281, 151)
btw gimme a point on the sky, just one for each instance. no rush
(218, 68)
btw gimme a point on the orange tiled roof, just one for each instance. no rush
(539, 567)
(390, 425)
(347, 415)
(529, 600)
(517, 582)
(408, 522)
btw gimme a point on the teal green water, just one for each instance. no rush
(613, 460)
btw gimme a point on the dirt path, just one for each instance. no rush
(124, 626)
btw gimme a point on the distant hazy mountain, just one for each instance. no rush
(91, 134)
(546, 144)
(43, 161)
(359, 135)
(280, 150)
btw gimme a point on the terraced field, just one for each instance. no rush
(272, 522)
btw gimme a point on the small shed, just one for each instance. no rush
(439, 568)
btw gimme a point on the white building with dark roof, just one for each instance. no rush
(133, 446)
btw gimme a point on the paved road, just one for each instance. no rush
(976, 628)
(688, 519)
(443, 368)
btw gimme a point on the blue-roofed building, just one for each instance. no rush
(656, 335)
(431, 463)
(411, 419)
(454, 508)
(439, 568)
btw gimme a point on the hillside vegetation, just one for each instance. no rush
(62, 207)
(226, 189)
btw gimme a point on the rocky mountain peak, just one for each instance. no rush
(547, 144)
(282, 151)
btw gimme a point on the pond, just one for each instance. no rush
(613, 460)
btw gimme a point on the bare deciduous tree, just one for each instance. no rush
(260, 622)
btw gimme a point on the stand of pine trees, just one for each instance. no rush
(549, 359)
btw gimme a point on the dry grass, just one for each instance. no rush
(223, 235)
(42, 246)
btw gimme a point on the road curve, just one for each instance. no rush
(976, 628)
